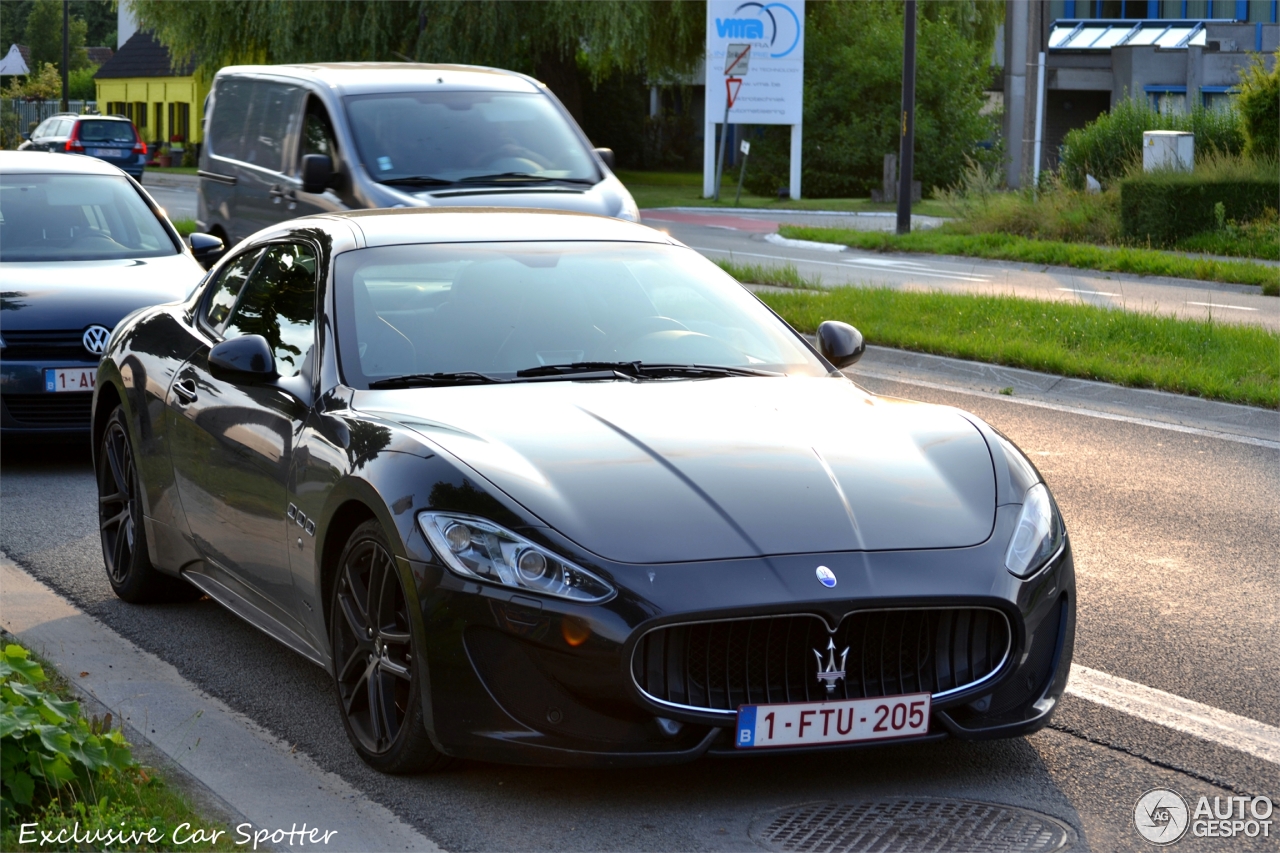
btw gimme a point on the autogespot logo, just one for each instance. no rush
(764, 26)
(1161, 816)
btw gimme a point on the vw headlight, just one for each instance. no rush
(1038, 535)
(481, 550)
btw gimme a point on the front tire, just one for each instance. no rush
(124, 542)
(377, 680)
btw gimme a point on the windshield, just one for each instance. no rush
(502, 308)
(454, 136)
(77, 218)
(106, 131)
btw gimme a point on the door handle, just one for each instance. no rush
(276, 189)
(185, 391)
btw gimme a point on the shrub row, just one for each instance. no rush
(1164, 207)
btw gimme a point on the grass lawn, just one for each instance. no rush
(173, 170)
(684, 189)
(123, 801)
(1239, 364)
(185, 226)
(1008, 247)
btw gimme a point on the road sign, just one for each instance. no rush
(737, 58)
(732, 85)
(745, 147)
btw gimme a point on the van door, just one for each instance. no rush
(262, 187)
(317, 137)
(221, 154)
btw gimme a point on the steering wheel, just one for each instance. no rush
(95, 237)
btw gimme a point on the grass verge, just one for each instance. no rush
(1238, 364)
(684, 189)
(174, 170)
(785, 275)
(185, 226)
(75, 778)
(1007, 247)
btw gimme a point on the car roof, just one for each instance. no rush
(357, 78)
(398, 226)
(48, 163)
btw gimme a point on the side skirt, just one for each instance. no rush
(253, 614)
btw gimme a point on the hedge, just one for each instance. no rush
(1164, 207)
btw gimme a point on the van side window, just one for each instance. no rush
(317, 133)
(230, 111)
(270, 113)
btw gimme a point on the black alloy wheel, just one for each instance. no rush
(124, 544)
(373, 659)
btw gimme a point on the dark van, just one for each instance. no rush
(283, 141)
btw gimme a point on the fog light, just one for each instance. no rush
(458, 537)
(532, 565)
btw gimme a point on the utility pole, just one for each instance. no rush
(66, 52)
(908, 124)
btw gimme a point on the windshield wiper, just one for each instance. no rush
(418, 181)
(521, 177)
(462, 377)
(641, 370)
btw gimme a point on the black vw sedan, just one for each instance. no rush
(545, 487)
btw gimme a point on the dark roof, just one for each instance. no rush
(26, 54)
(142, 56)
(99, 55)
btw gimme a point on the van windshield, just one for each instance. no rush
(413, 137)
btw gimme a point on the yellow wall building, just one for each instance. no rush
(141, 83)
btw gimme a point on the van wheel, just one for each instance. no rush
(375, 671)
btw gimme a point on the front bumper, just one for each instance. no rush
(26, 408)
(518, 679)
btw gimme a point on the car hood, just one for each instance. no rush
(75, 294)
(673, 471)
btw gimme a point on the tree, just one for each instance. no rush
(852, 96)
(1259, 106)
(98, 15)
(44, 35)
(44, 85)
(552, 39)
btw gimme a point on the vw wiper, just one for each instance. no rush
(522, 177)
(463, 377)
(641, 370)
(417, 181)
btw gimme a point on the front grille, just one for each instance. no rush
(45, 345)
(720, 665)
(50, 410)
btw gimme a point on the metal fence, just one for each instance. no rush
(33, 112)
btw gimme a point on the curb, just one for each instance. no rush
(176, 181)
(248, 770)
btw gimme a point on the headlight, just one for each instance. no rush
(1038, 535)
(481, 550)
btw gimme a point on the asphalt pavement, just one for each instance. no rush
(1175, 524)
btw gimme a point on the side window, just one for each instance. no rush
(279, 303)
(228, 289)
(43, 129)
(230, 111)
(317, 133)
(270, 113)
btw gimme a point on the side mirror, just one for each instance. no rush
(606, 154)
(206, 248)
(317, 171)
(249, 356)
(840, 343)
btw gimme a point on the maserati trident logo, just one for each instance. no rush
(831, 672)
(95, 339)
(826, 577)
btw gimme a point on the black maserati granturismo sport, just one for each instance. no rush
(550, 488)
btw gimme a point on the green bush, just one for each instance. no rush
(1259, 106)
(45, 745)
(1111, 145)
(1165, 206)
(853, 99)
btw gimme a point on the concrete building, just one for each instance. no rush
(1176, 54)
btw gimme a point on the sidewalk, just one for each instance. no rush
(172, 180)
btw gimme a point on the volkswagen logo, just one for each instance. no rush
(826, 577)
(95, 339)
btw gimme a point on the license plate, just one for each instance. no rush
(59, 379)
(105, 152)
(840, 721)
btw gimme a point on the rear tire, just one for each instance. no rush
(124, 542)
(375, 674)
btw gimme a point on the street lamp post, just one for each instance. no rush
(907, 129)
(66, 52)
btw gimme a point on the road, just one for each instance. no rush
(1175, 536)
(750, 239)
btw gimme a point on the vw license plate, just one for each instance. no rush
(842, 721)
(59, 379)
(106, 152)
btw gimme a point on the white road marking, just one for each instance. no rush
(779, 240)
(1074, 410)
(978, 278)
(869, 263)
(1087, 291)
(1174, 712)
(1220, 305)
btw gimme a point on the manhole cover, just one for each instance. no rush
(910, 826)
